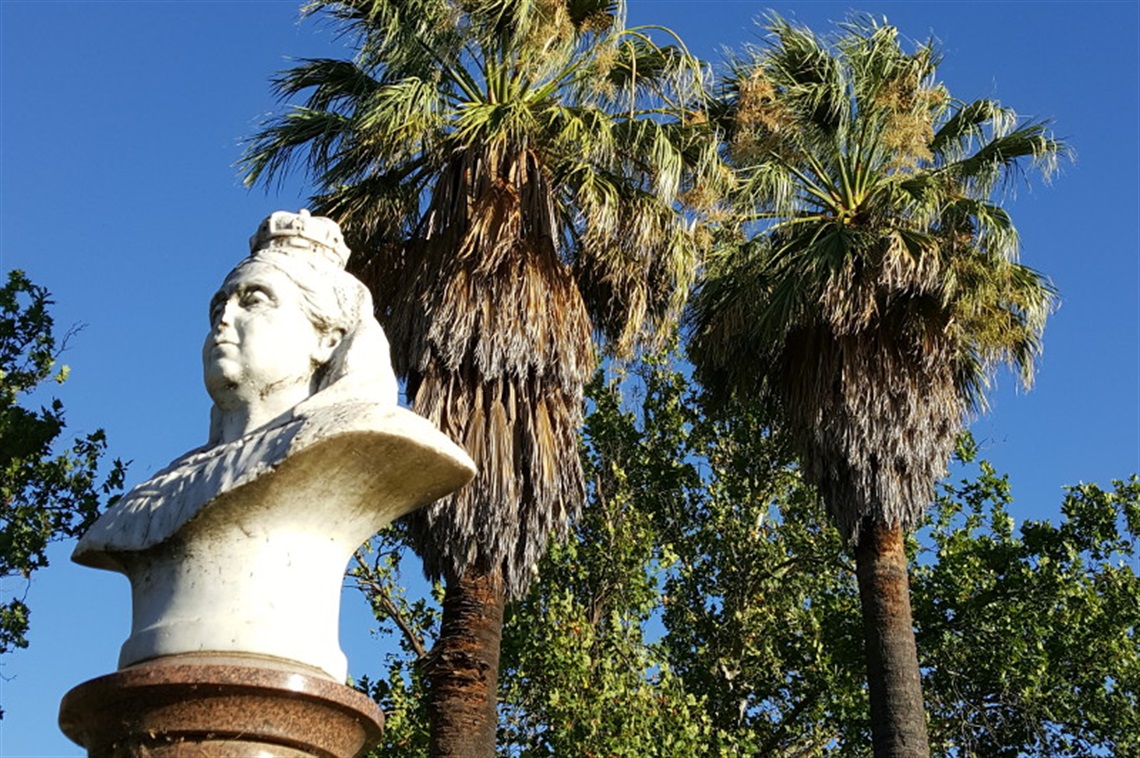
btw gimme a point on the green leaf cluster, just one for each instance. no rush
(755, 615)
(702, 606)
(1028, 634)
(581, 673)
(47, 492)
(400, 691)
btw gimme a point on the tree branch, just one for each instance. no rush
(378, 592)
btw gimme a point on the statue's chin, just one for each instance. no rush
(223, 379)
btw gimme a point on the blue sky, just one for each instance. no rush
(120, 123)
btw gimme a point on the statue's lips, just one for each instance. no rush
(222, 352)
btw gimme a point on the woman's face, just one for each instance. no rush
(260, 340)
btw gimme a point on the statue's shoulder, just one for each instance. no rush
(156, 509)
(357, 418)
(321, 433)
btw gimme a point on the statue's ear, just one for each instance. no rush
(327, 344)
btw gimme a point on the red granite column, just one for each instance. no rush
(219, 707)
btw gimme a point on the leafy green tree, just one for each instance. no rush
(1029, 635)
(879, 293)
(703, 606)
(762, 618)
(581, 674)
(401, 689)
(46, 494)
(510, 173)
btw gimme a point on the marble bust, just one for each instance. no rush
(239, 546)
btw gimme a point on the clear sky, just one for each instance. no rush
(120, 123)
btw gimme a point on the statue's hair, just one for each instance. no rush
(360, 367)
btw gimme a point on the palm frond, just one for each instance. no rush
(968, 126)
(881, 287)
(511, 174)
(1000, 159)
(301, 138)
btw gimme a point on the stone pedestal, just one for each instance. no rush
(219, 707)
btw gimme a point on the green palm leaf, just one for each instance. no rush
(511, 173)
(886, 250)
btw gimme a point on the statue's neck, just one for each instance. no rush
(246, 415)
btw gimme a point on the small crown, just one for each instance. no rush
(289, 232)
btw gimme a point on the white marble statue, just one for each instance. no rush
(239, 547)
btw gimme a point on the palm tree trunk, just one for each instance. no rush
(463, 668)
(898, 719)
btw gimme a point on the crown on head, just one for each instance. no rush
(289, 232)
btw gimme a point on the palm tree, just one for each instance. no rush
(879, 292)
(511, 172)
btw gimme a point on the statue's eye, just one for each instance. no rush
(255, 297)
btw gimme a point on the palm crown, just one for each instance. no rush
(511, 173)
(882, 285)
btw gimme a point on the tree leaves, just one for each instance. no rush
(510, 174)
(703, 607)
(872, 277)
(1028, 634)
(47, 492)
